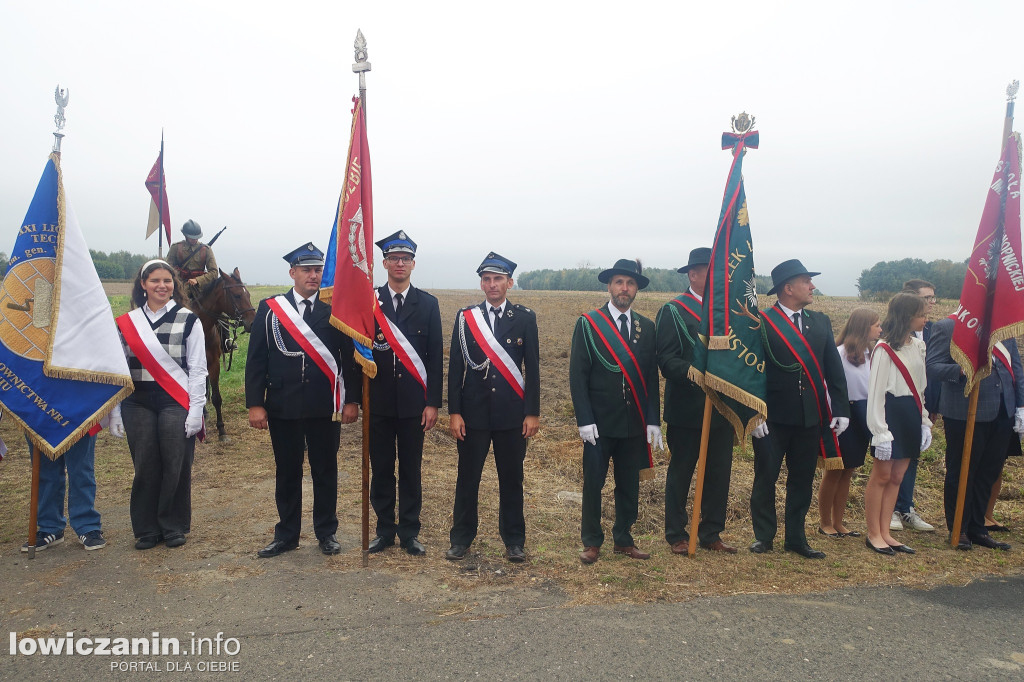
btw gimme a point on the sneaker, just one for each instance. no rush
(896, 523)
(915, 522)
(93, 540)
(44, 540)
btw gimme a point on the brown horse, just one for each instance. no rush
(223, 304)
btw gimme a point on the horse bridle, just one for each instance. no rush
(229, 324)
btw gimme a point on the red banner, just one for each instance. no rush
(992, 301)
(158, 210)
(352, 303)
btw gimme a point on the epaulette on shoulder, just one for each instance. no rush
(520, 306)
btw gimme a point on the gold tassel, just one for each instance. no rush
(831, 463)
(718, 343)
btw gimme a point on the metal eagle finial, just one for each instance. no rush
(61, 97)
(361, 55)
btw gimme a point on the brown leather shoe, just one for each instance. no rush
(589, 554)
(681, 547)
(719, 546)
(632, 552)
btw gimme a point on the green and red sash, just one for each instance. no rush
(797, 344)
(618, 348)
(684, 307)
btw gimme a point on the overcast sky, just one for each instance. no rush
(555, 133)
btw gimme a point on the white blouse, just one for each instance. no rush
(856, 375)
(886, 378)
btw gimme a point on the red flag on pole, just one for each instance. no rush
(992, 300)
(157, 186)
(352, 302)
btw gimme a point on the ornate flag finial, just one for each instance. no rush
(361, 55)
(1011, 90)
(743, 123)
(61, 97)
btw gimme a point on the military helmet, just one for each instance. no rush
(192, 230)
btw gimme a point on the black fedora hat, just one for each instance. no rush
(699, 256)
(627, 267)
(787, 270)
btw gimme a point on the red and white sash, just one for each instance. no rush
(1000, 353)
(141, 338)
(400, 345)
(310, 343)
(167, 373)
(501, 360)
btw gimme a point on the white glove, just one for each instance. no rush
(116, 424)
(760, 431)
(884, 451)
(589, 433)
(654, 437)
(194, 422)
(839, 425)
(926, 437)
(1018, 421)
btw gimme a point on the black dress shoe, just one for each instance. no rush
(807, 552)
(148, 542)
(987, 540)
(998, 528)
(276, 547)
(761, 546)
(414, 547)
(963, 544)
(851, 534)
(902, 549)
(379, 544)
(329, 545)
(456, 552)
(175, 541)
(821, 531)
(516, 554)
(887, 550)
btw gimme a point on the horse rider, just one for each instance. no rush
(192, 259)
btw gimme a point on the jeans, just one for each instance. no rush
(76, 468)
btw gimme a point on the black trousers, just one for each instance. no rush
(684, 444)
(988, 453)
(289, 438)
(509, 453)
(407, 434)
(799, 447)
(628, 455)
(161, 500)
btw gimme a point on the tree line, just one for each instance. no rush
(113, 265)
(883, 279)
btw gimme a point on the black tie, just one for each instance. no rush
(306, 313)
(398, 304)
(796, 321)
(497, 318)
(623, 327)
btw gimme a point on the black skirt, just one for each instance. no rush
(854, 441)
(904, 420)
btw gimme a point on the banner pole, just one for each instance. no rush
(33, 513)
(965, 465)
(698, 490)
(160, 204)
(361, 66)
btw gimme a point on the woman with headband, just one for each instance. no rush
(164, 344)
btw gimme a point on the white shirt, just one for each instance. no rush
(616, 312)
(791, 313)
(195, 356)
(857, 376)
(404, 292)
(886, 378)
(299, 299)
(492, 317)
(699, 297)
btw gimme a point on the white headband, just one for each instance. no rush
(151, 262)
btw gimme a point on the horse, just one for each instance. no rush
(222, 306)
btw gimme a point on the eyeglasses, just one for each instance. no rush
(402, 260)
(930, 299)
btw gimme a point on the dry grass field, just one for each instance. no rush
(234, 510)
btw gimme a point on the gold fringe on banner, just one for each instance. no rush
(831, 463)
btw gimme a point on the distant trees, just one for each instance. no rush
(117, 264)
(585, 279)
(883, 279)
